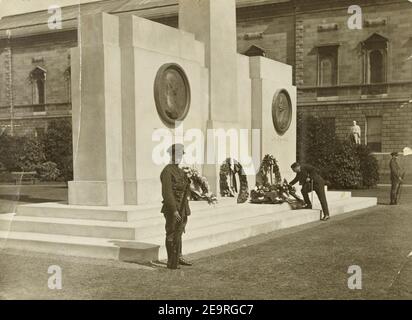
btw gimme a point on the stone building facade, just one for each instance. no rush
(34, 81)
(362, 75)
(343, 74)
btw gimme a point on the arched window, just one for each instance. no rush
(326, 73)
(375, 51)
(38, 80)
(327, 77)
(327, 65)
(376, 65)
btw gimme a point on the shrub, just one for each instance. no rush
(344, 167)
(315, 139)
(369, 166)
(342, 164)
(48, 171)
(32, 154)
(59, 147)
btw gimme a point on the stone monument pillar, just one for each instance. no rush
(97, 114)
(213, 22)
(129, 96)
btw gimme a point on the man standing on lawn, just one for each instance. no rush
(396, 178)
(309, 177)
(175, 187)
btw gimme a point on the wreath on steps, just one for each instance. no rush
(269, 173)
(228, 183)
(270, 189)
(199, 186)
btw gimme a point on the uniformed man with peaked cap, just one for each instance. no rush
(175, 191)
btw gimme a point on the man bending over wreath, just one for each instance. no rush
(310, 180)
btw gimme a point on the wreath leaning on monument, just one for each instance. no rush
(228, 184)
(199, 187)
(269, 186)
(270, 169)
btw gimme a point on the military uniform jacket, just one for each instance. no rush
(174, 183)
(308, 171)
(396, 171)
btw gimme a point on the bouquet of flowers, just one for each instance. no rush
(199, 187)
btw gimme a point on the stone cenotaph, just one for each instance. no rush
(132, 77)
(135, 82)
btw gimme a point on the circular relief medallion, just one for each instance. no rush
(172, 94)
(282, 111)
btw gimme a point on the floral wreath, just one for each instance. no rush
(199, 186)
(269, 166)
(228, 185)
(270, 189)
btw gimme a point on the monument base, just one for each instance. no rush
(96, 193)
(136, 233)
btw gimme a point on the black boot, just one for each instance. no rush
(182, 261)
(173, 261)
(169, 251)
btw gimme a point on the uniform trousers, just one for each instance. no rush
(174, 232)
(319, 188)
(396, 186)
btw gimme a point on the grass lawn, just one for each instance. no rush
(307, 262)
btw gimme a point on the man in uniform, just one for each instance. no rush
(308, 177)
(175, 188)
(396, 178)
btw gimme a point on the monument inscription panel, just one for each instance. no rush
(282, 111)
(172, 93)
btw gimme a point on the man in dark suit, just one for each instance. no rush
(308, 176)
(396, 178)
(175, 188)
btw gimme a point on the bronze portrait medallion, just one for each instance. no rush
(172, 94)
(281, 111)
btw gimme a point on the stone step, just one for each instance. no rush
(121, 213)
(69, 227)
(197, 239)
(125, 213)
(353, 204)
(129, 251)
(203, 215)
(234, 223)
(61, 210)
(60, 244)
(212, 217)
(135, 230)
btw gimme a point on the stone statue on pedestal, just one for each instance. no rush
(355, 133)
